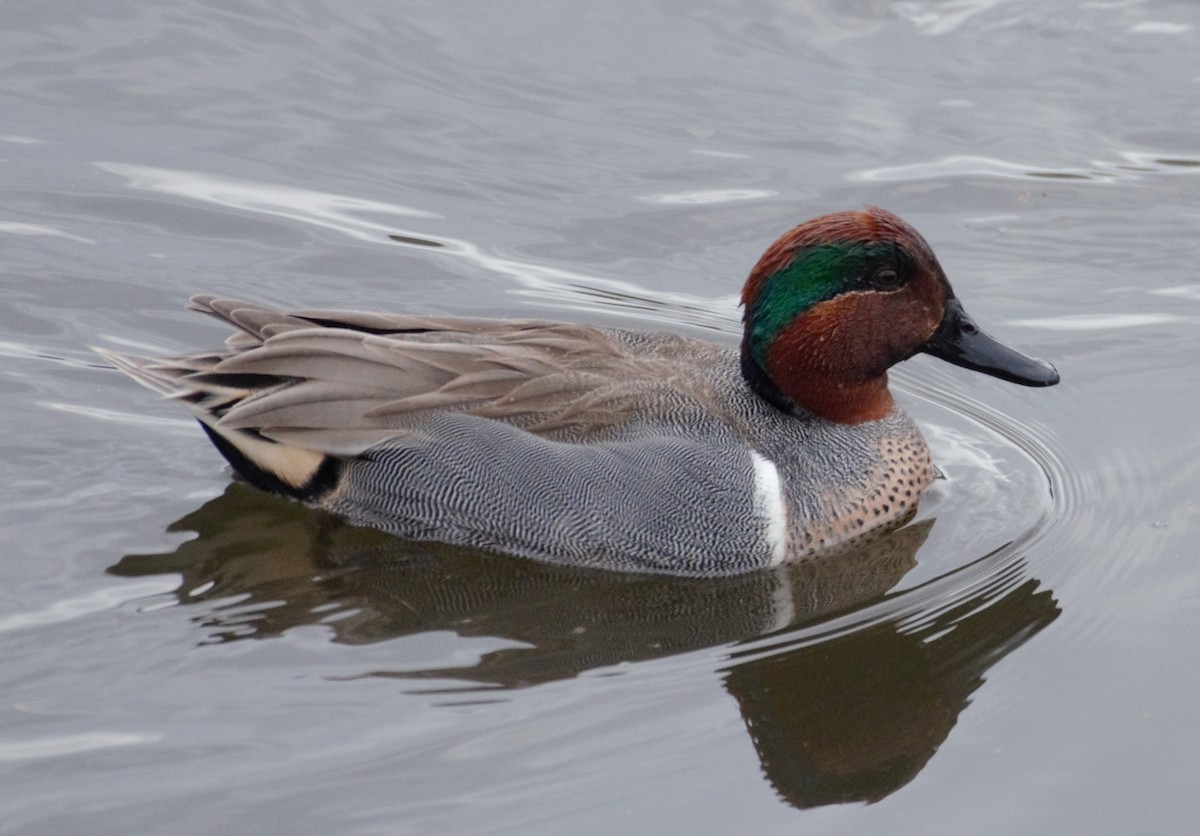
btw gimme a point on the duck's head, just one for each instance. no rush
(838, 300)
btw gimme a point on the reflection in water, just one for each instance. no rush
(846, 717)
(855, 717)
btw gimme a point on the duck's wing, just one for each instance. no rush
(342, 382)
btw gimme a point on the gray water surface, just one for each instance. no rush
(183, 654)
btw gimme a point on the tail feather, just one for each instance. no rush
(268, 464)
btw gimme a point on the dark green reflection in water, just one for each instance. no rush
(850, 717)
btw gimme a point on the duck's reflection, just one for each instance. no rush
(847, 718)
(855, 717)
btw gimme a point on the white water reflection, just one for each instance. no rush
(1128, 165)
(943, 18)
(959, 165)
(331, 211)
(709, 196)
(121, 417)
(15, 228)
(1190, 292)
(1159, 27)
(1101, 322)
(100, 600)
(70, 744)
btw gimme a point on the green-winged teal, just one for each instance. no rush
(600, 446)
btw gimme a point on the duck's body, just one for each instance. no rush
(597, 447)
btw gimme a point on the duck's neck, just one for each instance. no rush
(801, 369)
(761, 384)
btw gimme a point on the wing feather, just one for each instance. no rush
(340, 382)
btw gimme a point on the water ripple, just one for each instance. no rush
(708, 196)
(1102, 322)
(70, 744)
(15, 228)
(1132, 165)
(99, 600)
(343, 214)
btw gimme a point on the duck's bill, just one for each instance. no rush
(960, 341)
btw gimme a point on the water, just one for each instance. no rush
(182, 653)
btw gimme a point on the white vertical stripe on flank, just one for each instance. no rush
(768, 502)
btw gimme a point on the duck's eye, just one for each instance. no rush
(887, 279)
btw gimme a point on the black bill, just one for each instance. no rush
(960, 341)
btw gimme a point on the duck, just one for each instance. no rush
(598, 447)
